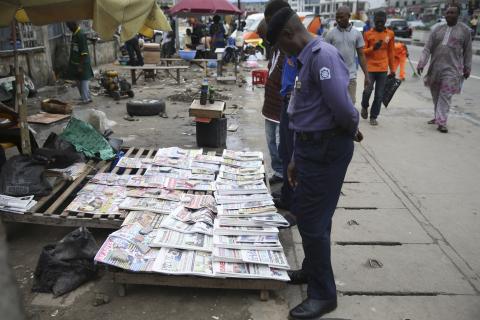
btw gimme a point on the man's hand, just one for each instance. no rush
(367, 81)
(80, 70)
(419, 71)
(358, 136)
(466, 74)
(292, 174)
(378, 45)
(392, 75)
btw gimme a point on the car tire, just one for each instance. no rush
(145, 107)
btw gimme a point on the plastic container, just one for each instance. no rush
(213, 134)
(187, 54)
(204, 92)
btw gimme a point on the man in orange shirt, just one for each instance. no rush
(401, 55)
(379, 51)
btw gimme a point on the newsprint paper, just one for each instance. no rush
(188, 262)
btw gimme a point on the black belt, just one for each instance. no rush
(318, 135)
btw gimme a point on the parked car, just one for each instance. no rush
(399, 27)
(415, 24)
(358, 24)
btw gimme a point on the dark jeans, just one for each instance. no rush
(134, 52)
(379, 79)
(285, 150)
(321, 164)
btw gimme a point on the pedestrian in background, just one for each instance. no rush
(401, 55)
(272, 107)
(450, 46)
(283, 200)
(349, 42)
(325, 124)
(380, 53)
(79, 67)
(134, 53)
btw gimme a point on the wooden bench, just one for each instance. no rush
(153, 67)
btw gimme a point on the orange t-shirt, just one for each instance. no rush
(400, 50)
(379, 60)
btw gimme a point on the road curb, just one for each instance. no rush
(421, 44)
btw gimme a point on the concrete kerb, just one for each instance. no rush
(475, 51)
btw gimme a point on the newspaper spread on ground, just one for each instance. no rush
(273, 220)
(242, 171)
(189, 185)
(16, 204)
(276, 259)
(248, 270)
(188, 241)
(164, 194)
(139, 181)
(147, 219)
(127, 249)
(74, 171)
(96, 204)
(247, 242)
(239, 183)
(225, 189)
(130, 163)
(178, 153)
(242, 164)
(250, 230)
(149, 204)
(246, 212)
(110, 179)
(187, 262)
(208, 159)
(246, 205)
(227, 255)
(222, 199)
(105, 189)
(193, 216)
(236, 177)
(176, 225)
(243, 155)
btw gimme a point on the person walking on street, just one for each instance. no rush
(283, 200)
(473, 25)
(349, 42)
(325, 123)
(272, 107)
(401, 55)
(450, 46)
(79, 67)
(379, 50)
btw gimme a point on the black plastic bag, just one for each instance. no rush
(59, 152)
(64, 266)
(23, 176)
(391, 87)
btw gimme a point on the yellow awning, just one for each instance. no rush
(107, 15)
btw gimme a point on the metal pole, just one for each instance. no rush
(20, 101)
(239, 15)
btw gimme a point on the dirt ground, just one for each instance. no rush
(178, 129)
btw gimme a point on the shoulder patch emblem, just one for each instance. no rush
(325, 73)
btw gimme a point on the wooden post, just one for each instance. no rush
(20, 99)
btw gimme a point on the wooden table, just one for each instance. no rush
(154, 67)
(211, 111)
(50, 210)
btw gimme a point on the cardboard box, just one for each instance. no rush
(151, 57)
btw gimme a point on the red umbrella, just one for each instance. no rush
(203, 7)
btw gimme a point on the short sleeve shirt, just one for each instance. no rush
(347, 41)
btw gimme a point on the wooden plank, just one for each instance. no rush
(70, 189)
(56, 220)
(47, 198)
(212, 111)
(155, 67)
(46, 118)
(195, 282)
(137, 155)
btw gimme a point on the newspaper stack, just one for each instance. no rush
(16, 205)
(246, 243)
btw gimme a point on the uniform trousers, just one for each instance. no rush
(321, 163)
(285, 150)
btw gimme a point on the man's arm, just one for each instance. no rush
(368, 44)
(360, 44)
(426, 52)
(467, 55)
(333, 76)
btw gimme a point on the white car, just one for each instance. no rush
(358, 24)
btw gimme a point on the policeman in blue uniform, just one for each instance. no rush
(325, 123)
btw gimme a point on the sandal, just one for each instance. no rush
(433, 121)
(442, 129)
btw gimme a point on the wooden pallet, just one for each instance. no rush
(122, 278)
(50, 210)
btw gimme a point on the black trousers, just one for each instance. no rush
(285, 150)
(321, 162)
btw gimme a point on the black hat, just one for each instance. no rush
(277, 23)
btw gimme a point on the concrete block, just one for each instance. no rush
(400, 308)
(383, 225)
(368, 195)
(412, 268)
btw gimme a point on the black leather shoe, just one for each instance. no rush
(276, 194)
(297, 277)
(312, 309)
